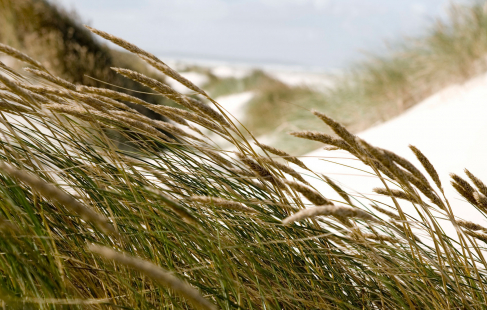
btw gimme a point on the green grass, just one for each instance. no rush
(234, 259)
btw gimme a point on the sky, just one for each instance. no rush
(323, 34)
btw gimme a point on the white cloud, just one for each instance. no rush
(419, 8)
(320, 4)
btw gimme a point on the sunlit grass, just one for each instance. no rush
(229, 250)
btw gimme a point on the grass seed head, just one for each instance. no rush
(224, 203)
(51, 78)
(478, 183)
(50, 191)
(156, 273)
(338, 211)
(313, 196)
(20, 56)
(397, 194)
(427, 165)
(283, 154)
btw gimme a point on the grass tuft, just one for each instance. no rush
(201, 227)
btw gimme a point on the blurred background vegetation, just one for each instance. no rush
(366, 93)
(59, 41)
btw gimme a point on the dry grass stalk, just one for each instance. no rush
(149, 58)
(390, 214)
(139, 125)
(55, 98)
(402, 176)
(478, 183)
(399, 225)
(155, 123)
(115, 103)
(214, 155)
(154, 84)
(70, 95)
(91, 115)
(406, 165)
(161, 66)
(122, 43)
(175, 130)
(284, 168)
(464, 188)
(359, 235)
(173, 95)
(8, 96)
(471, 225)
(427, 165)
(206, 109)
(386, 161)
(21, 92)
(313, 196)
(220, 202)
(481, 200)
(462, 182)
(464, 193)
(176, 207)
(338, 189)
(81, 113)
(8, 69)
(397, 194)
(260, 171)
(190, 116)
(257, 184)
(159, 275)
(91, 101)
(112, 94)
(382, 238)
(242, 173)
(43, 90)
(51, 78)
(10, 107)
(323, 138)
(482, 237)
(178, 131)
(341, 131)
(283, 154)
(338, 211)
(50, 191)
(20, 56)
(427, 191)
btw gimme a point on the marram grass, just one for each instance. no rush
(173, 221)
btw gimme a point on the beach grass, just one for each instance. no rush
(177, 222)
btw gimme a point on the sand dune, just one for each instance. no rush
(448, 127)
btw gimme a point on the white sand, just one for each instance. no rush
(315, 81)
(235, 104)
(449, 128)
(228, 71)
(196, 78)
